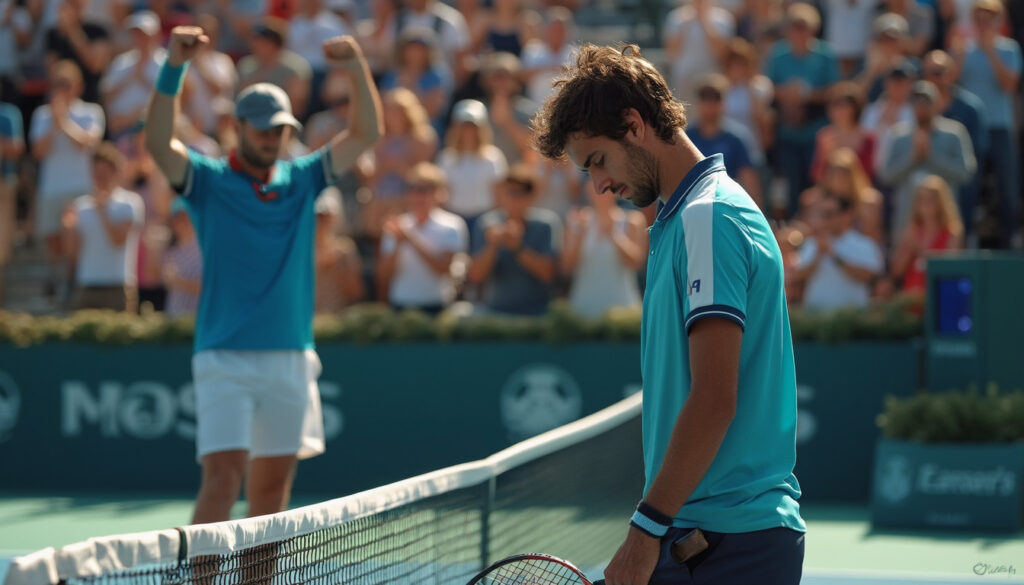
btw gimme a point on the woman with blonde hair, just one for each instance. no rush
(935, 226)
(471, 161)
(408, 139)
(843, 176)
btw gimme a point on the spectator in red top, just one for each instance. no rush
(934, 226)
(845, 106)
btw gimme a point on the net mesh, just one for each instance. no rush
(568, 493)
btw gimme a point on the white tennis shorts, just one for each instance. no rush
(263, 402)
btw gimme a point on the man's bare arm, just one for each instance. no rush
(366, 118)
(168, 153)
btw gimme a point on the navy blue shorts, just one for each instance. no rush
(765, 557)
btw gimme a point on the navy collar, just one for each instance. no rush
(700, 170)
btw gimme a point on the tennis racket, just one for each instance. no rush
(531, 569)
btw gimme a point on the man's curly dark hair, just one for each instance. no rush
(599, 88)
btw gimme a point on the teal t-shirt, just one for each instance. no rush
(257, 246)
(713, 254)
(817, 69)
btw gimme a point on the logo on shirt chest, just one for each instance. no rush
(694, 288)
(263, 192)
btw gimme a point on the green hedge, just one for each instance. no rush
(955, 417)
(375, 323)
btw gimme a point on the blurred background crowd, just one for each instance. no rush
(871, 132)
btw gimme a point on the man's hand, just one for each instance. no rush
(185, 43)
(60, 106)
(395, 229)
(494, 235)
(513, 234)
(69, 218)
(635, 560)
(343, 51)
(576, 221)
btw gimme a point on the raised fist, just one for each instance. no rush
(186, 41)
(343, 51)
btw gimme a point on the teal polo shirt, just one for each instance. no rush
(256, 241)
(713, 255)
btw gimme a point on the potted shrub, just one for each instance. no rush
(950, 460)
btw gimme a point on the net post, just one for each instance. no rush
(485, 522)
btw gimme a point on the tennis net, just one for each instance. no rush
(568, 492)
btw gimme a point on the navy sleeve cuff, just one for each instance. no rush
(721, 311)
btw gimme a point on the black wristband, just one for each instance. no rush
(654, 514)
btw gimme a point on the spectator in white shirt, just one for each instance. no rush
(695, 37)
(838, 264)
(63, 134)
(102, 232)
(891, 109)
(419, 247)
(545, 59)
(748, 101)
(131, 77)
(471, 161)
(605, 247)
(848, 30)
(311, 25)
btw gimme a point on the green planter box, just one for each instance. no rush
(948, 485)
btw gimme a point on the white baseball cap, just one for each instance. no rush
(472, 111)
(145, 20)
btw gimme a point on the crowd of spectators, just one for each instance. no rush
(871, 132)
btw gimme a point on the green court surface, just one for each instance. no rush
(841, 547)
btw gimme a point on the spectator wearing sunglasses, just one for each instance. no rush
(930, 145)
(515, 249)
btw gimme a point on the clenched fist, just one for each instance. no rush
(343, 51)
(186, 41)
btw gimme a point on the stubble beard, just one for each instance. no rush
(643, 176)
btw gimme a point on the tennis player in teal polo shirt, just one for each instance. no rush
(255, 370)
(719, 406)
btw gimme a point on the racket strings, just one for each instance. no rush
(534, 572)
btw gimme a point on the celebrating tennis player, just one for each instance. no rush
(719, 410)
(255, 370)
